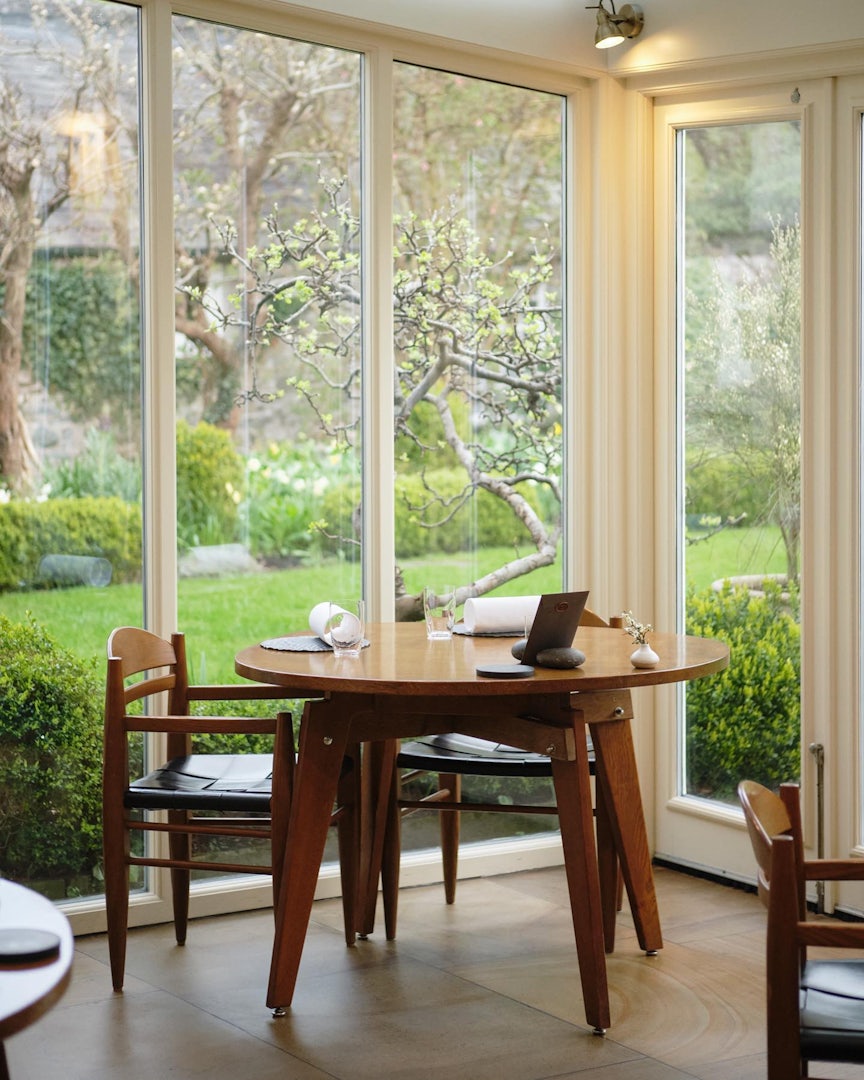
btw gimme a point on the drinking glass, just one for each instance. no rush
(346, 622)
(439, 609)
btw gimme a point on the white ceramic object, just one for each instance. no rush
(644, 657)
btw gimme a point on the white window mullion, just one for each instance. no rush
(378, 537)
(157, 321)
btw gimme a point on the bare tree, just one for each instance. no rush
(478, 344)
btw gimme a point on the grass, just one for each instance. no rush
(757, 550)
(221, 615)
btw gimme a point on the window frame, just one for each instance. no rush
(379, 48)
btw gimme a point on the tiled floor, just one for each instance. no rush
(485, 990)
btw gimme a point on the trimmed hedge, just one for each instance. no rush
(745, 721)
(104, 527)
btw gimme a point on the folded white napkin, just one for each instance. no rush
(318, 617)
(499, 614)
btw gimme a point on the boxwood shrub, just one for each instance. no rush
(745, 721)
(50, 759)
(209, 485)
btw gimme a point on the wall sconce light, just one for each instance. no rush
(613, 27)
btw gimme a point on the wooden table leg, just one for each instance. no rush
(576, 817)
(323, 740)
(379, 761)
(618, 777)
(607, 862)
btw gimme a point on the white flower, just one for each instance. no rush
(253, 464)
(5, 496)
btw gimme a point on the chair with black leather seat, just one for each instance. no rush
(815, 1006)
(453, 756)
(208, 795)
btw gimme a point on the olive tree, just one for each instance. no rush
(745, 382)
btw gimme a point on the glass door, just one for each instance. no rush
(736, 223)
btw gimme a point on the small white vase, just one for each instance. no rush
(644, 657)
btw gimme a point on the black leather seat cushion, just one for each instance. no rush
(206, 782)
(832, 1010)
(475, 757)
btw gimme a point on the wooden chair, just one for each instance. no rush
(815, 1007)
(453, 756)
(249, 794)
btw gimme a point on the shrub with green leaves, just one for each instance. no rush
(209, 485)
(285, 484)
(50, 758)
(82, 319)
(745, 721)
(97, 471)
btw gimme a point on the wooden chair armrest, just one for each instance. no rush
(832, 934)
(834, 869)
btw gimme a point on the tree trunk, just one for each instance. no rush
(13, 459)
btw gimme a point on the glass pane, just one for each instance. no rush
(478, 220)
(70, 419)
(268, 362)
(740, 320)
(267, 151)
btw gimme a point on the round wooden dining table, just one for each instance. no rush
(403, 685)
(29, 990)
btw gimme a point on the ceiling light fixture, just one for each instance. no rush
(613, 27)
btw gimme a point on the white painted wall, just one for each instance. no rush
(563, 30)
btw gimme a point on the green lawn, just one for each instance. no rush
(734, 551)
(221, 615)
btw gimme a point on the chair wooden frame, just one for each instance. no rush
(162, 664)
(774, 825)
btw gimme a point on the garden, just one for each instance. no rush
(51, 685)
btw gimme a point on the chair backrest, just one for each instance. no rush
(766, 817)
(774, 825)
(591, 618)
(133, 651)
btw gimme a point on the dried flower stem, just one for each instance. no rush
(638, 631)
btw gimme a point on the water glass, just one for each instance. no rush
(439, 609)
(346, 623)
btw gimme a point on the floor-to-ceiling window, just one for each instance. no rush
(478, 219)
(739, 274)
(265, 360)
(268, 326)
(70, 419)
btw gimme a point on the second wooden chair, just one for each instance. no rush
(450, 757)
